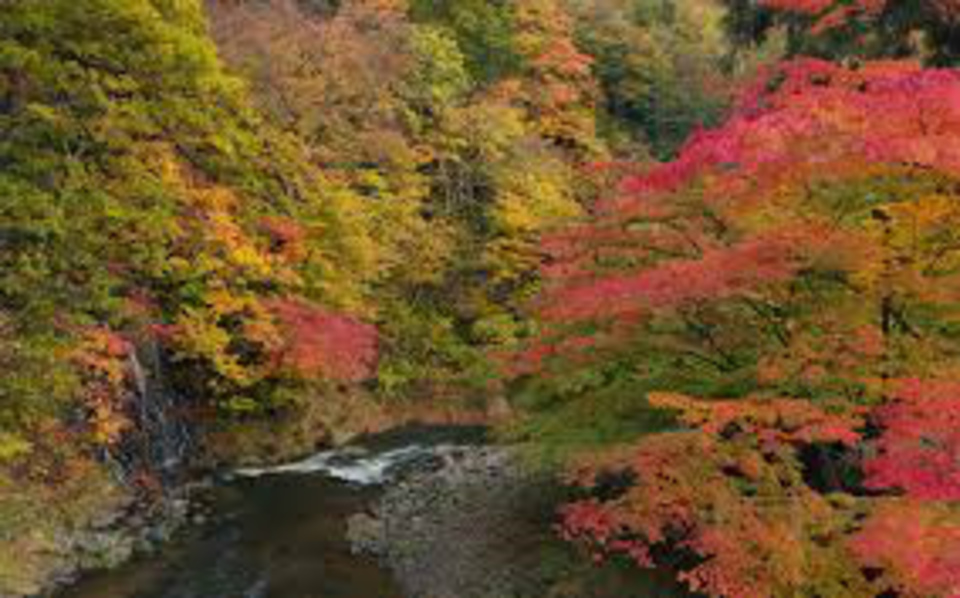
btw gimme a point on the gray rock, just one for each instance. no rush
(366, 534)
(468, 529)
(104, 550)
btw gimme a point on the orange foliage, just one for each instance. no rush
(728, 494)
(102, 359)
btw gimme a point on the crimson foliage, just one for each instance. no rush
(807, 250)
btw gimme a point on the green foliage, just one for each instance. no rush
(440, 77)
(484, 31)
(36, 381)
(662, 66)
(859, 30)
(12, 446)
(600, 399)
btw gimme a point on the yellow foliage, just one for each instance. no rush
(913, 247)
(12, 446)
(533, 200)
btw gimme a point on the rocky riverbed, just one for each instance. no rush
(469, 526)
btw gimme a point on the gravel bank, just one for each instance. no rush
(469, 525)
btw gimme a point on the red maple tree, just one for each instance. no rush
(806, 249)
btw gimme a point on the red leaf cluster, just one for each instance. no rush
(772, 421)
(917, 546)
(919, 449)
(320, 344)
(716, 274)
(101, 359)
(726, 219)
(287, 237)
(689, 496)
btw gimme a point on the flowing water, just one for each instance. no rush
(280, 531)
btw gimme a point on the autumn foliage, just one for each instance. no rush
(297, 201)
(730, 495)
(806, 249)
(318, 344)
(842, 29)
(833, 14)
(915, 545)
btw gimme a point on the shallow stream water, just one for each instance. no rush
(279, 532)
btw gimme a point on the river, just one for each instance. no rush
(280, 532)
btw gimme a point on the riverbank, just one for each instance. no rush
(76, 519)
(92, 523)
